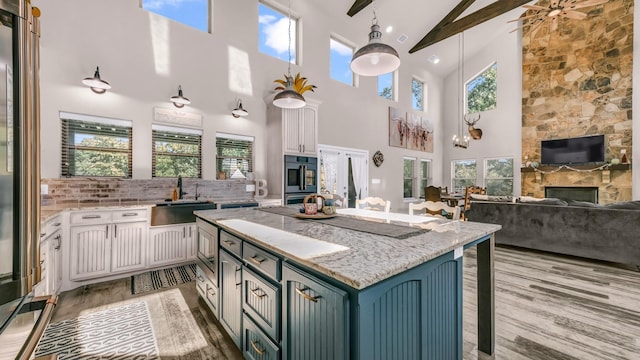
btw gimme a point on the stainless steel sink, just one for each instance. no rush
(177, 212)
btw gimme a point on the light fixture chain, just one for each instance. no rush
(289, 48)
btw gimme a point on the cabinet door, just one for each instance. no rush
(192, 241)
(315, 322)
(128, 246)
(90, 251)
(309, 130)
(291, 127)
(207, 238)
(230, 300)
(167, 245)
(54, 261)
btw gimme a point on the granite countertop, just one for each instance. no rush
(355, 258)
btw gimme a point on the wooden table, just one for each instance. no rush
(452, 199)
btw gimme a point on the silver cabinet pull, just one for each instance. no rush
(190, 231)
(57, 224)
(91, 217)
(255, 260)
(115, 231)
(184, 231)
(130, 214)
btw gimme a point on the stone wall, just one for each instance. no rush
(113, 191)
(577, 81)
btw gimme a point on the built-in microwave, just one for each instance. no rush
(300, 174)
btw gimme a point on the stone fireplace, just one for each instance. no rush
(577, 81)
(577, 193)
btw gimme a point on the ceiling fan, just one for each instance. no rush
(555, 10)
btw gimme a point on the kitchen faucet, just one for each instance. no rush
(197, 195)
(180, 192)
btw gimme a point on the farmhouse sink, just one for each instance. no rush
(177, 212)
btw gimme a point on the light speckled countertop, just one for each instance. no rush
(369, 258)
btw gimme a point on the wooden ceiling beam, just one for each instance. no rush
(447, 27)
(357, 6)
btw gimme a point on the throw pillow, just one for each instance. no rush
(627, 205)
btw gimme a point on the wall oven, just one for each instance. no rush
(300, 177)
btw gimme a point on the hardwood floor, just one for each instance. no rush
(547, 307)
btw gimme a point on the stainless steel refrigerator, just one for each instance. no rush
(19, 156)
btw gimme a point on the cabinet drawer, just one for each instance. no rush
(256, 345)
(261, 300)
(231, 243)
(201, 282)
(51, 225)
(261, 260)
(212, 298)
(90, 217)
(130, 215)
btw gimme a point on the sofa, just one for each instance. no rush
(608, 232)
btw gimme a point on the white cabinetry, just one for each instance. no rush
(106, 242)
(172, 244)
(50, 263)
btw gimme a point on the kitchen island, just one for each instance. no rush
(304, 289)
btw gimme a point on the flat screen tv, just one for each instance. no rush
(581, 150)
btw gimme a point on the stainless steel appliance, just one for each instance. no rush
(300, 177)
(19, 156)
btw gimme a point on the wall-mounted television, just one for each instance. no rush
(580, 150)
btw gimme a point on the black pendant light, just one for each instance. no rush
(179, 100)
(96, 84)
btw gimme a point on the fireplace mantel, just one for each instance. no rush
(622, 167)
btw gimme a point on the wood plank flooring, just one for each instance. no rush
(547, 307)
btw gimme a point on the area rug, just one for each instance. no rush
(122, 332)
(158, 279)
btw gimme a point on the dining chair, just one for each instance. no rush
(338, 201)
(435, 208)
(373, 203)
(444, 190)
(467, 197)
(432, 193)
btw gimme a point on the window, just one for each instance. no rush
(482, 91)
(176, 152)
(417, 94)
(498, 176)
(409, 164)
(425, 171)
(385, 86)
(234, 152)
(273, 33)
(464, 174)
(194, 13)
(93, 146)
(340, 61)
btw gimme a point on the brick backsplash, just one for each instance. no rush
(115, 191)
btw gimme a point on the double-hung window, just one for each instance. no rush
(94, 146)
(425, 172)
(409, 177)
(234, 152)
(463, 174)
(498, 176)
(176, 152)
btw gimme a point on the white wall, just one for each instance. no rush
(501, 126)
(145, 57)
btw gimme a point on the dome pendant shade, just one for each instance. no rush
(289, 98)
(179, 100)
(239, 111)
(375, 58)
(96, 84)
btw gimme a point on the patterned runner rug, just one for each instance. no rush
(123, 332)
(158, 279)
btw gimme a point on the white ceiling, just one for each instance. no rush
(416, 18)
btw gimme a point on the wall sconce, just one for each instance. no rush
(239, 110)
(179, 100)
(96, 84)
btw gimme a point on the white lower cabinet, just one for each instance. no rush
(50, 264)
(128, 247)
(172, 244)
(90, 251)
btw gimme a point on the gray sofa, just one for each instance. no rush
(609, 233)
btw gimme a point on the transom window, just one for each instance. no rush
(408, 177)
(340, 61)
(234, 152)
(176, 152)
(273, 33)
(385, 86)
(194, 13)
(93, 146)
(417, 94)
(482, 90)
(464, 174)
(498, 176)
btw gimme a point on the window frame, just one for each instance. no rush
(68, 150)
(478, 74)
(180, 131)
(412, 178)
(424, 96)
(295, 39)
(423, 178)
(394, 86)
(342, 41)
(453, 173)
(485, 170)
(209, 29)
(235, 137)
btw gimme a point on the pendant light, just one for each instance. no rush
(375, 58)
(289, 98)
(96, 84)
(460, 140)
(179, 100)
(239, 110)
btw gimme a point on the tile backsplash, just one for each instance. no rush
(113, 191)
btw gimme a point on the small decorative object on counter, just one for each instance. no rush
(615, 161)
(534, 164)
(329, 207)
(624, 156)
(175, 194)
(311, 204)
